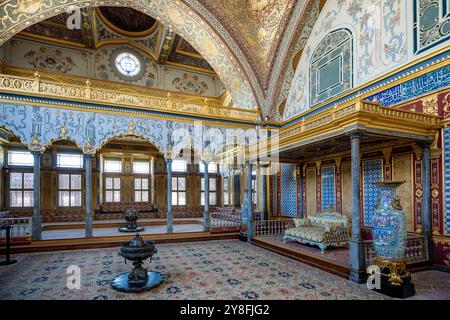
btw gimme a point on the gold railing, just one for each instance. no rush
(152, 99)
(366, 109)
(272, 227)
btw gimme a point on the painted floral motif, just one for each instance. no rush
(49, 60)
(188, 83)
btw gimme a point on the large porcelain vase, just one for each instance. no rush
(389, 223)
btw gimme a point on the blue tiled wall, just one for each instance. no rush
(372, 171)
(288, 190)
(328, 187)
(447, 180)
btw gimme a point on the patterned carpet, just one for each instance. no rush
(197, 270)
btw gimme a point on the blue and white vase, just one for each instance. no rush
(389, 223)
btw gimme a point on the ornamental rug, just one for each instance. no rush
(222, 269)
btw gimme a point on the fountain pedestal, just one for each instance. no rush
(389, 239)
(131, 216)
(139, 279)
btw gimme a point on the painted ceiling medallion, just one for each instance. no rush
(128, 64)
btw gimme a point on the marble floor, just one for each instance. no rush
(431, 285)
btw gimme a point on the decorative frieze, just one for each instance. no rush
(90, 94)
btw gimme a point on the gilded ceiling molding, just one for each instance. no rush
(150, 100)
(197, 28)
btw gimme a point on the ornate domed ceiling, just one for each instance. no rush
(125, 25)
(250, 43)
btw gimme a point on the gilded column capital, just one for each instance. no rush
(169, 154)
(387, 154)
(89, 150)
(36, 145)
(207, 156)
(263, 164)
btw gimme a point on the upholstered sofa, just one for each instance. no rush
(322, 230)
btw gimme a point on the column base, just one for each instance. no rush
(358, 276)
(36, 229)
(170, 229)
(358, 272)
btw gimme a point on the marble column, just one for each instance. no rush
(88, 195)
(426, 197)
(36, 233)
(264, 175)
(236, 189)
(169, 195)
(357, 256)
(152, 181)
(250, 202)
(206, 206)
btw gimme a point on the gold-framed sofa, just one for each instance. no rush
(322, 230)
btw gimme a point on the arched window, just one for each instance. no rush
(331, 67)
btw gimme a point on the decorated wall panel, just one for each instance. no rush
(311, 191)
(289, 190)
(447, 179)
(37, 127)
(331, 68)
(328, 188)
(372, 172)
(402, 169)
(383, 41)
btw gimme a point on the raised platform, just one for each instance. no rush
(334, 260)
(113, 241)
(117, 223)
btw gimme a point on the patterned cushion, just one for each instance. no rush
(329, 219)
(310, 233)
(301, 222)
